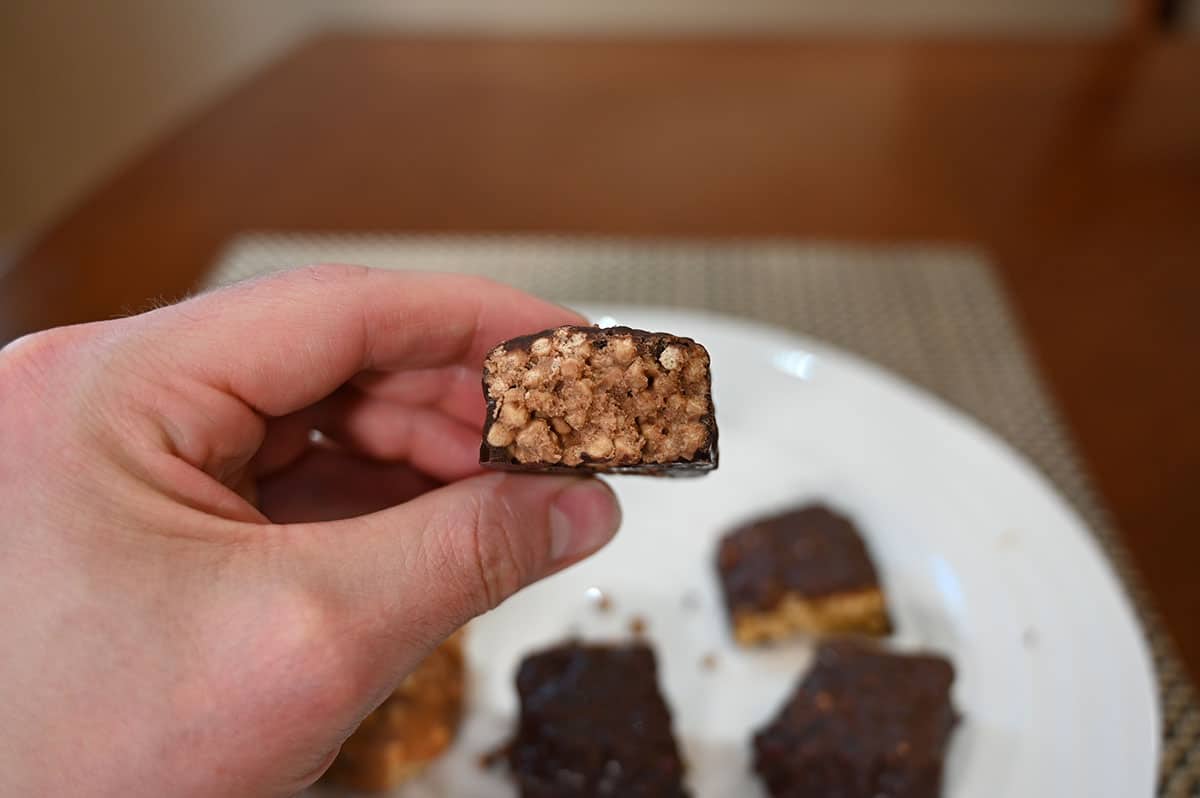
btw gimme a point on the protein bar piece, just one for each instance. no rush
(863, 723)
(408, 730)
(805, 571)
(592, 724)
(592, 399)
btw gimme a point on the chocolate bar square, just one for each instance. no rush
(601, 400)
(807, 571)
(593, 723)
(862, 724)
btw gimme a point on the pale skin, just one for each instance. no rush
(196, 597)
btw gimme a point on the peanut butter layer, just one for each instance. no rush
(848, 612)
(585, 398)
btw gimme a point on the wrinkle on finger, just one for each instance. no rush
(431, 441)
(455, 390)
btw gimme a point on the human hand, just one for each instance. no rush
(162, 634)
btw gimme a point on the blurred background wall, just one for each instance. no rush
(87, 83)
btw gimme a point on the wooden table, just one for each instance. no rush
(1077, 164)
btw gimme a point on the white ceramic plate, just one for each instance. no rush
(980, 558)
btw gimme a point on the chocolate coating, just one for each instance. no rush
(697, 460)
(811, 552)
(864, 723)
(593, 723)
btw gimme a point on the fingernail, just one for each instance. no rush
(583, 517)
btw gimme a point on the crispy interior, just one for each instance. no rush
(574, 397)
(861, 611)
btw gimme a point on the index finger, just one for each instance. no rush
(285, 341)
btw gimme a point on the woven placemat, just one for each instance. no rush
(936, 315)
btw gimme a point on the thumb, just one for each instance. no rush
(423, 568)
(364, 600)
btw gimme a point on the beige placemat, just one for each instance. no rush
(933, 314)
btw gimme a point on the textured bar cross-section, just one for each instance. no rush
(605, 400)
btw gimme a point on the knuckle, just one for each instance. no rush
(500, 557)
(308, 636)
(480, 291)
(478, 285)
(36, 354)
(331, 272)
(491, 536)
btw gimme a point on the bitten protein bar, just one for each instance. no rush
(605, 400)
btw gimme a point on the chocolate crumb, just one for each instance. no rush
(637, 625)
(599, 599)
(497, 756)
(709, 661)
